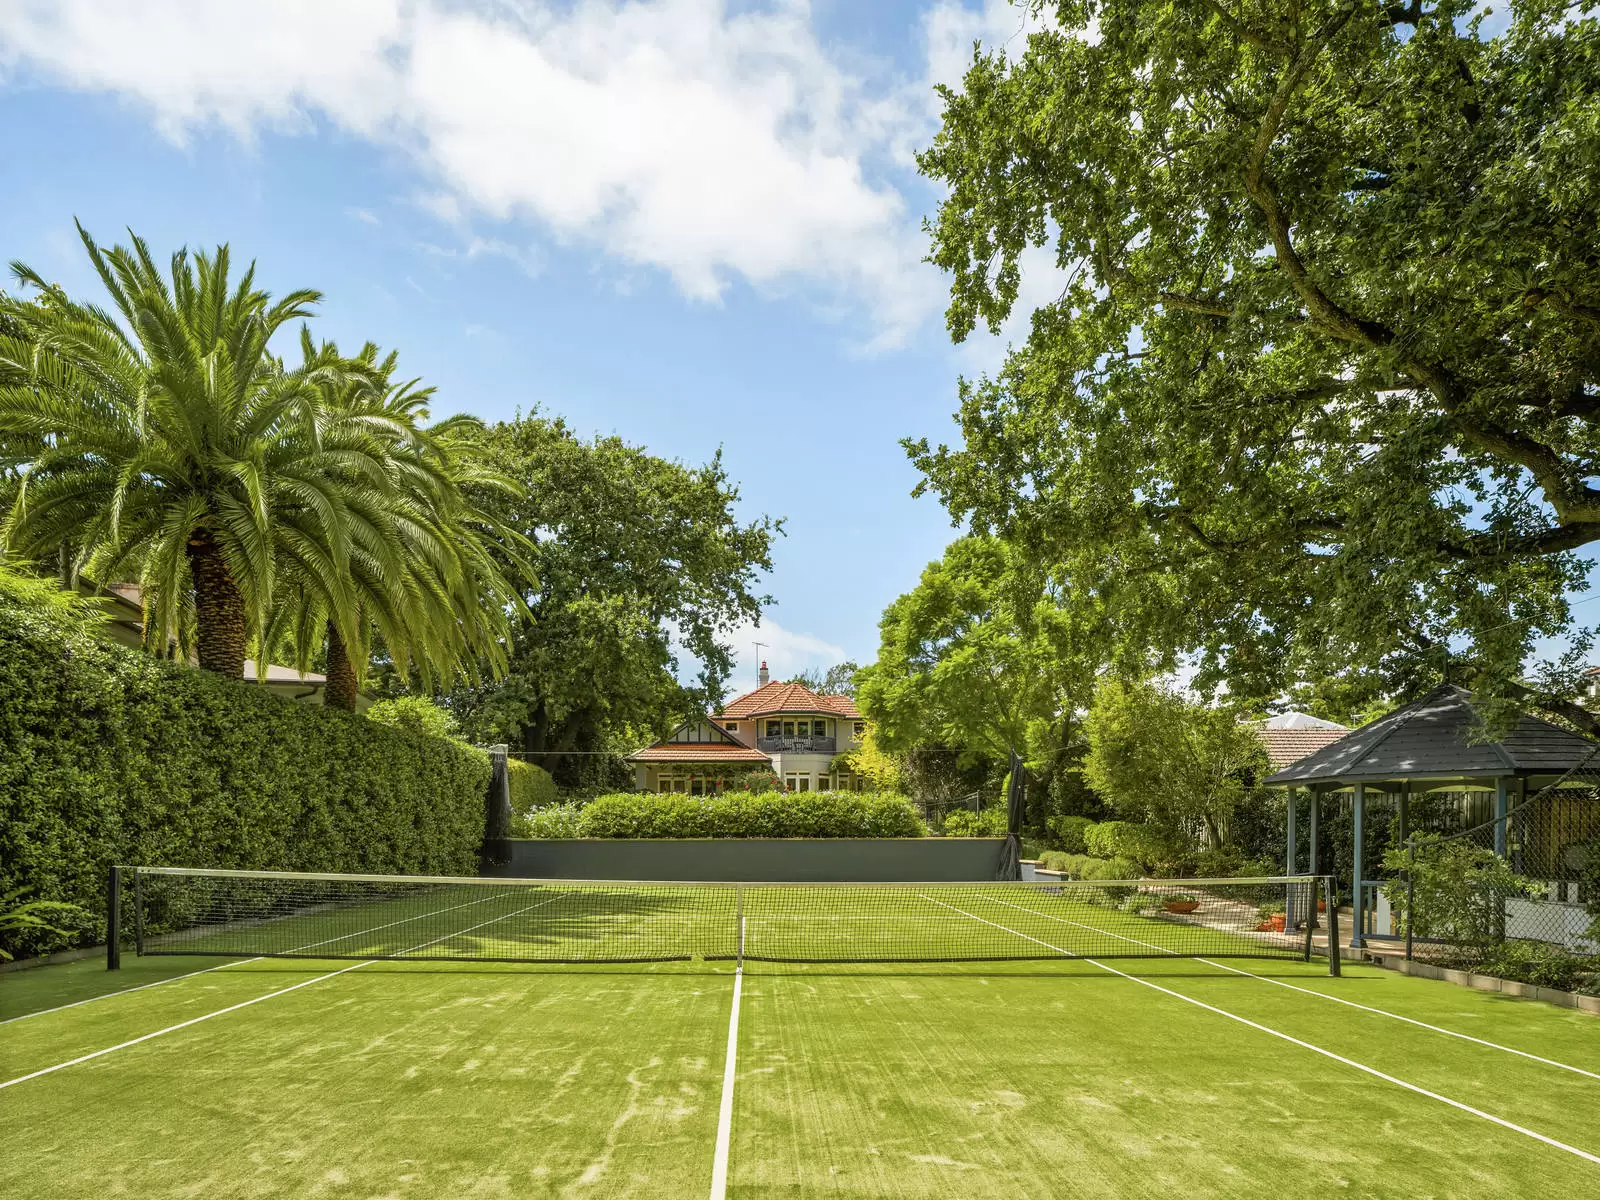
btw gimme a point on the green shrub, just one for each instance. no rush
(1542, 965)
(415, 714)
(1128, 840)
(1460, 891)
(531, 786)
(730, 814)
(1112, 868)
(1071, 832)
(960, 823)
(758, 779)
(551, 821)
(108, 755)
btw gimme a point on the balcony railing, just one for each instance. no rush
(796, 745)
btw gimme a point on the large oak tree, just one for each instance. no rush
(1321, 388)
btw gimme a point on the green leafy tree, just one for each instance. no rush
(631, 560)
(1322, 384)
(981, 656)
(1159, 757)
(171, 442)
(837, 680)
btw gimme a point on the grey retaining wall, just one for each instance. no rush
(754, 860)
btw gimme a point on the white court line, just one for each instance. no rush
(1382, 1012)
(1338, 1058)
(258, 999)
(719, 1163)
(224, 966)
(124, 991)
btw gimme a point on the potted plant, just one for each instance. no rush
(1181, 902)
(1271, 917)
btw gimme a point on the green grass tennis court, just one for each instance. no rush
(1152, 1076)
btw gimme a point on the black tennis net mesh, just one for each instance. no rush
(288, 915)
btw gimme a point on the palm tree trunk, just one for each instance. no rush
(218, 608)
(342, 682)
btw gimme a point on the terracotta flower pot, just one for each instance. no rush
(1181, 906)
(1273, 924)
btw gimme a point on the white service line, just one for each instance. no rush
(258, 999)
(1382, 1012)
(1338, 1058)
(238, 962)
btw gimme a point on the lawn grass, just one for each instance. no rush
(33, 988)
(389, 1080)
(1065, 1080)
(431, 1080)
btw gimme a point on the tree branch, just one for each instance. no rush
(1252, 37)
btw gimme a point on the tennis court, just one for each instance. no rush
(1212, 1060)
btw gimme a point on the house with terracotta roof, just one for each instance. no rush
(1291, 736)
(785, 728)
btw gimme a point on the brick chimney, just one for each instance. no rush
(763, 677)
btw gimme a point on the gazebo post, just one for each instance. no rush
(1314, 858)
(1405, 811)
(1291, 836)
(1501, 807)
(1358, 898)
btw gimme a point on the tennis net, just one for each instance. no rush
(323, 916)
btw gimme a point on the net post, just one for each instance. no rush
(738, 890)
(114, 920)
(1333, 925)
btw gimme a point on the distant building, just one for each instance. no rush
(1291, 736)
(785, 728)
(125, 626)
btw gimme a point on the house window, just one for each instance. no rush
(861, 728)
(774, 728)
(819, 728)
(824, 784)
(802, 729)
(798, 782)
(788, 729)
(732, 727)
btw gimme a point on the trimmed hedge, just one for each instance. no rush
(729, 815)
(531, 786)
(110, 756)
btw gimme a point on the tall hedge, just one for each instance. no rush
(109, 756)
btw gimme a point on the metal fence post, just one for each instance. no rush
(1411, 896)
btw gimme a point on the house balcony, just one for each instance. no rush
(796, 745)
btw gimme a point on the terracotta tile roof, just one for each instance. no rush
(1285, 746)
(788, 697)
(706, 752)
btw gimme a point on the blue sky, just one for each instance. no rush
(687, 222)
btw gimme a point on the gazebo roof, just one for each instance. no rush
(1430, 738)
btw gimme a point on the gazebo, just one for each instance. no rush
(1427, 746)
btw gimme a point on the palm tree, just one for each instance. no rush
(172, 442)
(421, 569)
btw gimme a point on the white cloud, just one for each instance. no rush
(713, 145)
(785, 652)
(365, 215)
